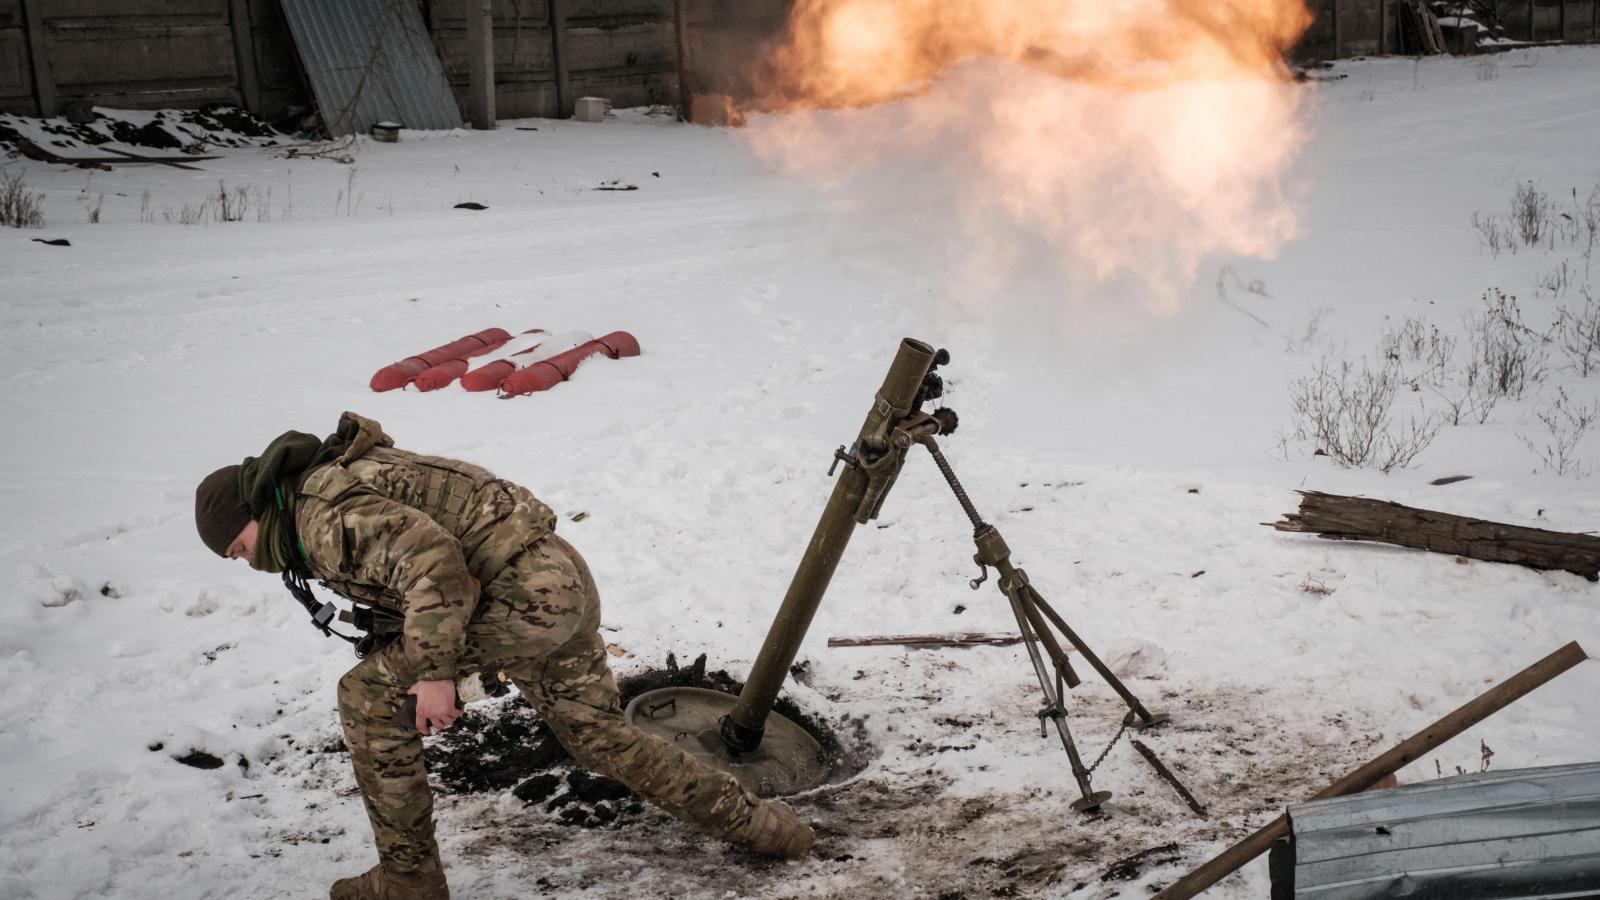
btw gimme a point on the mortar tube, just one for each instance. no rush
(742, 729)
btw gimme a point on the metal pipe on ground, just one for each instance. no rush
(402, 373)
(547, 373)
(1484, 705)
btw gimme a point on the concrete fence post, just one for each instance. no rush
(558, 44)
(480, 63)
(1338, 43)
(44, 85)
(245, 55)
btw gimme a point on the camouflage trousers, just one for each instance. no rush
(539, 623)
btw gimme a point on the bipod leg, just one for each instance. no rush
(1138, 717)
(1017, 589)
(1054, 710)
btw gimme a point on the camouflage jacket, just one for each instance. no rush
(414, 535)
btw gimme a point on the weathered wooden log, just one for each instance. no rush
(43, 154)
(1339, 518)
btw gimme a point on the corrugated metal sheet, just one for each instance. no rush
(370, 61)
(1522, 833)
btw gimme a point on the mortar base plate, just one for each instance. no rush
(788, 761)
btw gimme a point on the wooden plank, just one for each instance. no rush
(966, 639)
(120, 157)
(244, 52)
(1392, 760)
(44, 84)
(1433, 26)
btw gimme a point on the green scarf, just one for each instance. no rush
(268, 482)
(277, 547)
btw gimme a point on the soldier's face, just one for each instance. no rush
(244, 546)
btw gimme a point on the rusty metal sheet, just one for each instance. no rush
(368, 61)
(1521, 833)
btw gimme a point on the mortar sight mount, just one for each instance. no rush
(768, 752)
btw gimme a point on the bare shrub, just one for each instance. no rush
(19, 207)
(1422, 350)
(188, 213)
(1315, 586)
(1534, 221)
(1578, 334)
(1494, 233)
(339, 151)
(94, 211)
(1530, 213)
(1586, 224)
(1348, 412)
(230, 206)
(1469, 396)
(1565, 423)
(1513, 356)
(1556, 281)
(1307, 339)
(224, 205)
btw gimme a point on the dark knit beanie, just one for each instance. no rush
(219, 510)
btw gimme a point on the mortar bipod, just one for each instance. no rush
(1035, 619)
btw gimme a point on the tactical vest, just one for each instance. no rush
(493, 519)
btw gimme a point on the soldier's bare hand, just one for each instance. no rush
(436, 705)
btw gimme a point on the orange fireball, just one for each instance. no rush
(1135, 137)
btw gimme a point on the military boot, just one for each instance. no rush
(378, 883)
(775, 830)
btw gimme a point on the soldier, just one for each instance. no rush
(474, 578)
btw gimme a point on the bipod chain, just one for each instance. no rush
(1039, 624)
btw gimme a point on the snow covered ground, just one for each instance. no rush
(1128, 456)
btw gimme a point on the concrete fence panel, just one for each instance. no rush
(524, 55)
(548, 53)
(623, 50)
(16, 66)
